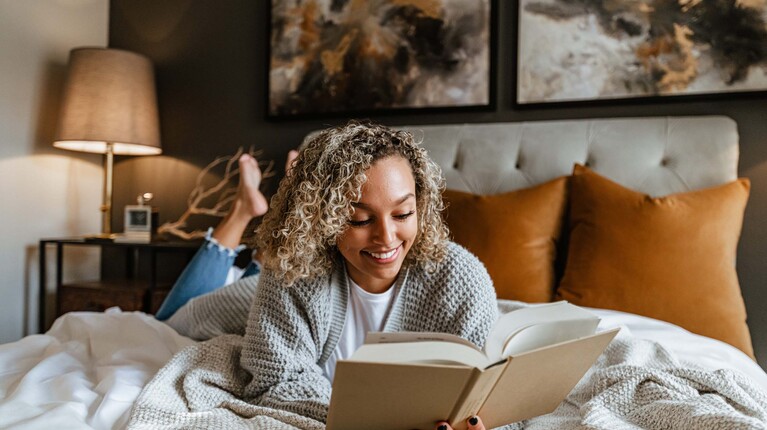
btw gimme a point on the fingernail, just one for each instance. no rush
(473, 421)
(442, 427)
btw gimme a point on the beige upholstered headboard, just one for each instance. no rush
(658, 156)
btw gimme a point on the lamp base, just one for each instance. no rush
(100, 237)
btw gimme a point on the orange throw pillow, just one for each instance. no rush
(671, 258)
(514, 234)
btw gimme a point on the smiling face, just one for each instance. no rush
(383, 227)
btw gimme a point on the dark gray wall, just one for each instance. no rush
(211, 63)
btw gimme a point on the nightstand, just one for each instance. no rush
(137, 290)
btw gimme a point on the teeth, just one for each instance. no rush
(383, 256)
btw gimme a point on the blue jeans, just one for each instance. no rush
(206, 272)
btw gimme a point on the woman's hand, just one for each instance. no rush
(475, 423)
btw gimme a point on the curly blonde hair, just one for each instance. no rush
(313, 204)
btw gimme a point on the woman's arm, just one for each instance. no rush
(464, 301)
(474, 312)
(286, 330)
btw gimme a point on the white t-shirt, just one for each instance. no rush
(364, 312)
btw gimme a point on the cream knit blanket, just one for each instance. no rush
(635, 384)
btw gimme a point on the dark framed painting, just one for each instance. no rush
(359, 56)
(581, 50)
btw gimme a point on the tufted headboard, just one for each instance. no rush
(657, 156)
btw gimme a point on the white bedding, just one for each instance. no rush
(89, 368)
(85, 372)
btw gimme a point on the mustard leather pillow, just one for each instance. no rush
(514, 234)
(670, 258)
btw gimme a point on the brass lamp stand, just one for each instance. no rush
(106, 201)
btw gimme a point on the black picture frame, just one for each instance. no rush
(718, 51)
(311, 96)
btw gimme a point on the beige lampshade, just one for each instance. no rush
(109, 97)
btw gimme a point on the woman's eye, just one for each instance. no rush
(360, 223)
(404, 216)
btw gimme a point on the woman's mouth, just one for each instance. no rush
(384, 257)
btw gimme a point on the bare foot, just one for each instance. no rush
(252, 202)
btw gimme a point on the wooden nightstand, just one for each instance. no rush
(136, 291)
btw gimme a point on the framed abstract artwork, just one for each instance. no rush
(579, 50)
(358, 56)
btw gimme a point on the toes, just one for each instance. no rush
(249, 167)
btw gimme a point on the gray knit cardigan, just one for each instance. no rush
(291, 331)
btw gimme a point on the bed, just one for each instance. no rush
(89, 369)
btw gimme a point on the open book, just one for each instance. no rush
(533, 357)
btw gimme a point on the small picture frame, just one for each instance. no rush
(138, 219)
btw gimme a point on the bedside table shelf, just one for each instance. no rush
(98, 296)
(138, 290)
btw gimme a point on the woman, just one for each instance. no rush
(353, 242)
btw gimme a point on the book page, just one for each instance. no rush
(548, 333)
(512, 322)
(405, 336)
(428, 352)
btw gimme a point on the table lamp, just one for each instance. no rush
(109, 107)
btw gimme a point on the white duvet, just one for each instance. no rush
(88, 369)
(85, 372)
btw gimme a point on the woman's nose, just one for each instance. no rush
(385, 232)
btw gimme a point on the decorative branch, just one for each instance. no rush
(226, 193)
